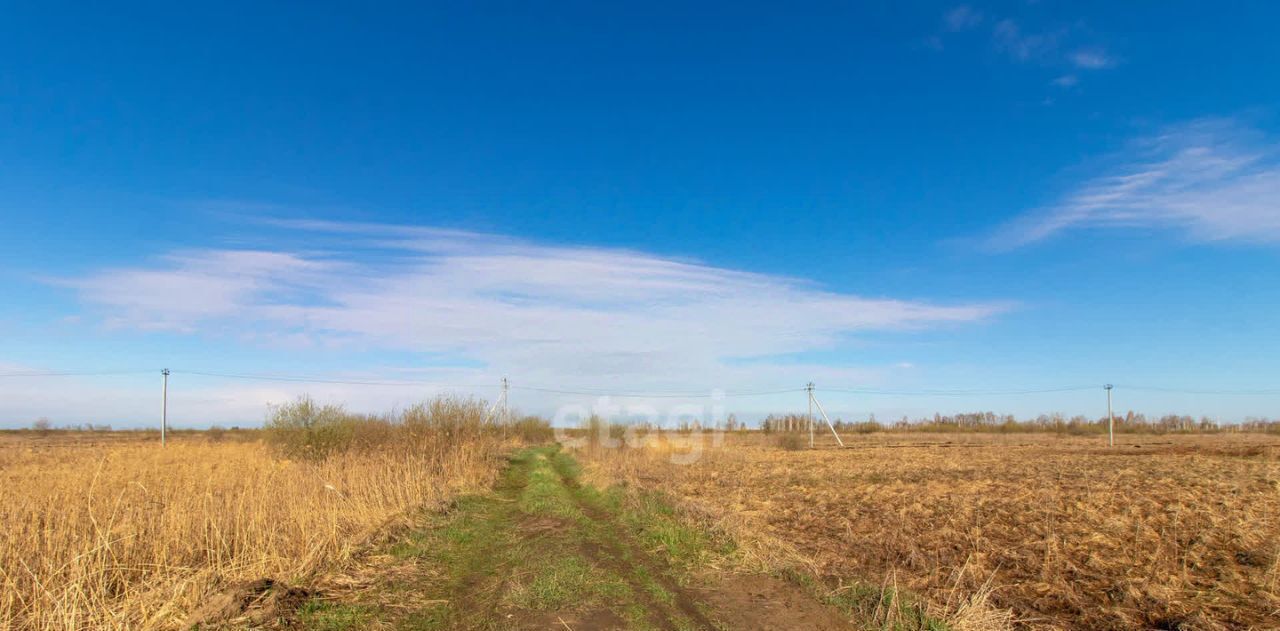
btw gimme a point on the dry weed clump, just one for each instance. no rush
(123, 534)
(1038, 531)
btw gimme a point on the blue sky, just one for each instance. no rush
(986, 196)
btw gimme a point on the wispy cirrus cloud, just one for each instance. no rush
(1010, 38)
(961, 18)
(1052, 47)
(563, 314)
(1092, 58)
(188, 287)
(1059, 45)
(1213, 179)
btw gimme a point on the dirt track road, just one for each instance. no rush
(542, 551)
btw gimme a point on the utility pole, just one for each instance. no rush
(1111, 420)
(506, 414)
(809, 418)
(499, 405)
(814, 400)
(164, 406)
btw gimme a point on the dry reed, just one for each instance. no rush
(123, 534)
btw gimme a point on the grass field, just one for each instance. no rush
(1160, 532)
(428, 521)
(111, 531)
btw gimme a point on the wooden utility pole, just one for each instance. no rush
(1111, 420)
(164, 405)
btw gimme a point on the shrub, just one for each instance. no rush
(306, 429)
(454, 417)
(791, 441)
(602, 434)
(532, 429)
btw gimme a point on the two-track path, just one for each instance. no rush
(542, 551)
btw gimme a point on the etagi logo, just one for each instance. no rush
(609, 425)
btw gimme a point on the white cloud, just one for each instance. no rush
(130, 401)
(961, 18)
(1012, 40)
(190, 286)
(1054, 45)
(1213, 179)
(1091, 59)
(1048, 47)
(562, 315)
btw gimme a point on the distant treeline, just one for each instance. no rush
(1128, 423)
(44, 425)
(319, 424)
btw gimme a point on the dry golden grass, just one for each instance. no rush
(1160, 532)
(119, 533)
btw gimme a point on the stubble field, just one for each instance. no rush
(1040, 531)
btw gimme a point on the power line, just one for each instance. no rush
(657, 395)
(1200, 391)
(607, 391)
(402, 382)
(956, 393)
(76, 373)
(303, 379)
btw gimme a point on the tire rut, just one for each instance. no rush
(623, 547)
(652, 607)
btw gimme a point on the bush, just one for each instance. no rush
(532, 429)
(792, 442)
(306, 429)
(454, 417)
(602, 434)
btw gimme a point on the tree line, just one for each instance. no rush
(1130, 423)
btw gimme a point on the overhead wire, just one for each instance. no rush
(1246, 392)
(309, 379)
(74, 373)
(670, 394)
(955, 393)
(657, 394)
